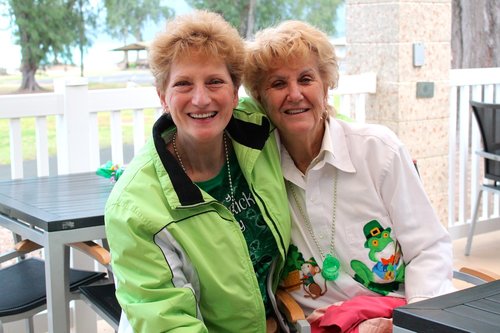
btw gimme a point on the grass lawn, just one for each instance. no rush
(10, 84)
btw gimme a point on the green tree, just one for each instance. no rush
(248, 16)
(87, 24)
(128, 18)
(44, 29)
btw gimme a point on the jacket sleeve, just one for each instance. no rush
(152, 299)
(425, 243)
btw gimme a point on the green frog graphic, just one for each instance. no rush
(388, 269)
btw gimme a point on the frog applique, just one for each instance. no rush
(387, 271)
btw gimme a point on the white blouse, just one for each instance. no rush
(384, 223)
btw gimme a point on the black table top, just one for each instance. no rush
(475, 309)
(57, 202)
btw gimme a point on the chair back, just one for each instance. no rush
(488, 119)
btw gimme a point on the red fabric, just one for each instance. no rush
(346, 317)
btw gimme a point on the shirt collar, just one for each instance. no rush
(340, 154)
(333, 151)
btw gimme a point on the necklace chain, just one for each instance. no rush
(177, 153)
(308, 223)
(226, 153)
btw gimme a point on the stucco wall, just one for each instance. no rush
(380, 36)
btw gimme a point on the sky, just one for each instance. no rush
(99, 56)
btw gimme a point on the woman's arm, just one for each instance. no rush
(425, 243)
(150, 284)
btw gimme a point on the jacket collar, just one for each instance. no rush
(251, 135)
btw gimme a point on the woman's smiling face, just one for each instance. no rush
(295, 98)
(200, 96)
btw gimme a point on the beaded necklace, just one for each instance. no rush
(226, 151)
(331, 264)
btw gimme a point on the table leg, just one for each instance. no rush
(57, 285)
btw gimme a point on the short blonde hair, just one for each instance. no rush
(198, 31)
(284, 44)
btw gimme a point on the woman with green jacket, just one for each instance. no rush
(200, 214)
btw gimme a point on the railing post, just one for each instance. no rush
(16, 149)
(73, 152)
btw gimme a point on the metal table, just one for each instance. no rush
(55, 211)
(475, 309)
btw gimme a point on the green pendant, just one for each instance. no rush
(331, 268)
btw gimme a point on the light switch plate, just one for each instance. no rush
(418, 54)
(425, 89)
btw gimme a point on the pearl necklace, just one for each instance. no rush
(331, 264)
(226, 151)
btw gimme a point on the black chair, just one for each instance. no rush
(488, 119)
(102, 299)
(22, 286)
(100, 296)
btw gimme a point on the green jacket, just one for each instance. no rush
(179, 258)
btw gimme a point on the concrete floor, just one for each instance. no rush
(484, 256)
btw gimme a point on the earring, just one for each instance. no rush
(324, 116)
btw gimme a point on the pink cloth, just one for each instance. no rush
(376, 325)
(347, 316)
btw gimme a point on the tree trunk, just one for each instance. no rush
(242, 29)
(28, 83)
(82, 67)
(125, 60)
(251, 19)
(81, 36)
(475, 41)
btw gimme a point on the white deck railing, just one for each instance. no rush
(465, 168)
(77, 130)
(78, 110)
